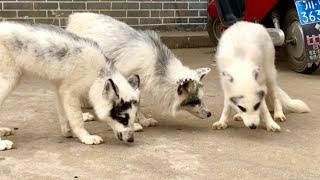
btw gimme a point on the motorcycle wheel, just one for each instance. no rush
(296, 50)
(215, 29)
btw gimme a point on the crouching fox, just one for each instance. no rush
(78, 68)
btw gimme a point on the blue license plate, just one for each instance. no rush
(308, 11)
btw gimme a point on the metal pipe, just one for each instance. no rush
(275, 19)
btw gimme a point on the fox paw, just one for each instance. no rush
(66, 132)
(87, 117)
(274, 127)
(137, 127)
(5, 145)
(5, 131)
(91, 139)
(148, 122)
(280, 117)
(237, 117)
(219, 125)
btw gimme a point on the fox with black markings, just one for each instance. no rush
(173, 86)
(78, 68)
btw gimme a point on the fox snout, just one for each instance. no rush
(203, 114)
(253, 126)
(125, 136)
(251, 121)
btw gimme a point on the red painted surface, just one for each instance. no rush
(212, 10)
(256, 10)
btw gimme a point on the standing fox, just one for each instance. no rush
(245, 58)
(173, 85)
(78, 68)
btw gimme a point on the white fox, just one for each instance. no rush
(245, 57)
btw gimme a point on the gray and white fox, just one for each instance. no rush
(78, 68)
(245, 57)
(173, 85)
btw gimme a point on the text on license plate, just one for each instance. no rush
(308, 11)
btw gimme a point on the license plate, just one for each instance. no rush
(308, 11)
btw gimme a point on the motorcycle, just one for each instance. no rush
(293, 24)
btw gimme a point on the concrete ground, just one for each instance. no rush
(183, 147)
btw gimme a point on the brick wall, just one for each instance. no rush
(154, 14)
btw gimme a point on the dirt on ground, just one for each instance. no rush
(181, 147)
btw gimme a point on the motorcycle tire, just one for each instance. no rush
(296, 51)
(214, 28)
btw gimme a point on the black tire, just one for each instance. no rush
(296, 51)
(214, 28)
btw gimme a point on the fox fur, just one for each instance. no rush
(245, 57)
(173, 85)
(78, 68)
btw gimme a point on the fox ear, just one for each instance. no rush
(186, 86)
(111, 87)
(134, 81)
(227, 76)
(257, 73)
(202, 72)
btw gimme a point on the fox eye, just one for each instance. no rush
(242, 108)
(256, 106)
(134, 102)
(194, 102)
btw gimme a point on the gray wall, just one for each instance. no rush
(159, 15)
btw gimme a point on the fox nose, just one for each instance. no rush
(253, 126)
(209, 114)
(131, 139)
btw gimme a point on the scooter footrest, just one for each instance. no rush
(277, 36)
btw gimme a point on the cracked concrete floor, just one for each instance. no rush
(183, 147)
